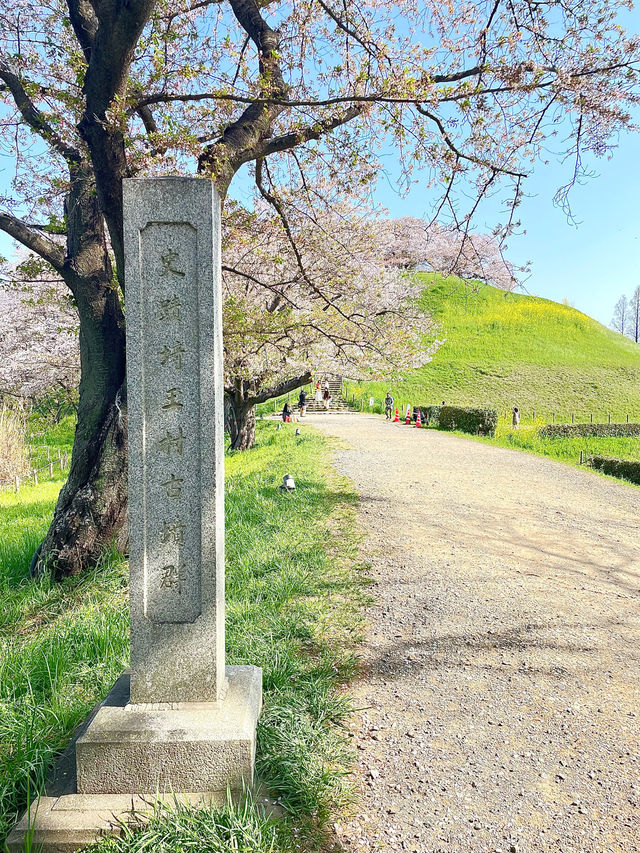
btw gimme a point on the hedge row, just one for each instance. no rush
(587, 430)
(430, 415)
(475, 421)
(627, 469)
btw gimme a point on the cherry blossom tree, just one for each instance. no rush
(413, 243)
(325, 302)
(306, 93)
(39, 355)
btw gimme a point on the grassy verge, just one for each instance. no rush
(293, 604)
(528, 439)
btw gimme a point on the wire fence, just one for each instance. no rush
(60, 461)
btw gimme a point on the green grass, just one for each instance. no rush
(242, 828)
(527, 438)
(293, 604)
(505, 349)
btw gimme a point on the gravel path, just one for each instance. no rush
(501, 679)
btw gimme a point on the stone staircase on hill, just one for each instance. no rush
(337, 405)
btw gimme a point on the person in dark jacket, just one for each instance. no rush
(388, 406)
(302, 403)
(287, 412)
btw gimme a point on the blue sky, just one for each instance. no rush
(591, 263)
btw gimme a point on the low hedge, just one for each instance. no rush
(589, 430)
(627, 469)
(430, 415)
(475, 421)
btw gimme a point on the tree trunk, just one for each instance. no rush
(91, 512)
(242, 425)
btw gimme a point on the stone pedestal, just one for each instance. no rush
(181, 722)
(184, 746)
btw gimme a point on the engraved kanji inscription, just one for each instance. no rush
(173, 532)
(173, 486)
(170, 263)
(172, 355)
(173, 399)
(173, 577)
(169, 308)
(171, 363)
(172, 443)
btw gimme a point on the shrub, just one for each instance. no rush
(587, 430)
(475, 421)
(627, 469)
(430, 415)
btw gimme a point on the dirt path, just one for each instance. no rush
(502, 678)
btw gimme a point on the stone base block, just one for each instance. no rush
(68, 823)
(185, 746)
(129, 757)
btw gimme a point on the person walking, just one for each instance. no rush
(302, 403)
(318, 392)
(515, 420)
(388, 406)
(326, 396)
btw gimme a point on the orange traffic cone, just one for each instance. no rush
(396, 420)
(407, 420)
(418, 420)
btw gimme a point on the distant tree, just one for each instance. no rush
(39, 352)
(413, 243)
(634, 315)
(621, 316)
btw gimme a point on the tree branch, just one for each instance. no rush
(282, 388)
(34, 118)
(349, 30)
(85, 24)
(308, 133)
(111, 53)
(460, 154)
(240, 140)
(33, 240)
(150, 126)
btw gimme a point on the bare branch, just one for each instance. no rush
(460, 154)
(34, 117)
(33, 240)
(308, 133)
(371, 47)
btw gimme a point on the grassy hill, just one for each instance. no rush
(505, 349)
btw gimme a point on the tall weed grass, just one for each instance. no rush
(14, 459)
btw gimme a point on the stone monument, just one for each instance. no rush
(180, 721)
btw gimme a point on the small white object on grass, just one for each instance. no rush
(298, 431)
(287, 484)
(278, 426)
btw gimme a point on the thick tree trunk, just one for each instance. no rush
(91, 513)
(242, 425)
